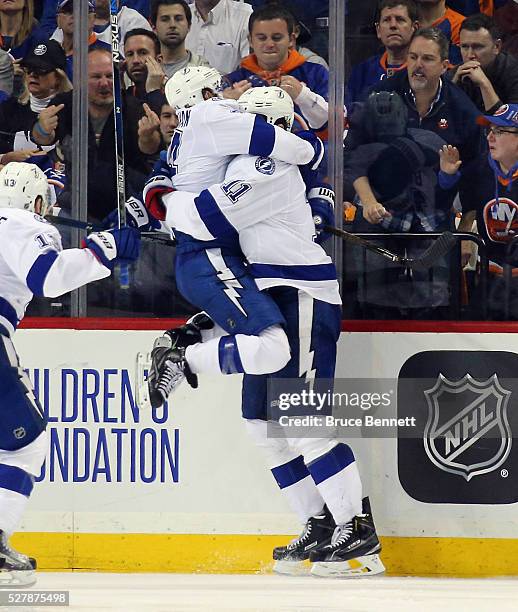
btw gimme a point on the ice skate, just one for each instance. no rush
(316, 534)
(162, 370)
(353, 551)
(16, 569)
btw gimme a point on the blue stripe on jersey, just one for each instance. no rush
(262, 139)
(317, 272)
(8, 312)
(289, 473)
(15, 479)
(331, 463)
(215, 221)
(38, 272)
(229, 358)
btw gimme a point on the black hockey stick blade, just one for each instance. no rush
(160, 237)
(428, 259)
(433, 253)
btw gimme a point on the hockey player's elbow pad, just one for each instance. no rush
(318, 147)
(154, 189)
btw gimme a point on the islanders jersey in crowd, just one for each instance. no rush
(315, 76)
(32, 262)
(497, 212)
(366, 74)
(449, 24)
(262, 205)
(209, 133)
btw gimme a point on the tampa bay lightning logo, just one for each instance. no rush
(265, 165)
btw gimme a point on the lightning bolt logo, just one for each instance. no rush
(306, 355)
(227, 277)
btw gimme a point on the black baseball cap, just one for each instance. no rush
(46, 56)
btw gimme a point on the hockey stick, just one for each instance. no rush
(91, 227)
(119, 134)
(429, 258)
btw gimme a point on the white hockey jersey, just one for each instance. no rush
(209, 133)
(263, 203)
(33, 262)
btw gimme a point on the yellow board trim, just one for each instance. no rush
(243, 554)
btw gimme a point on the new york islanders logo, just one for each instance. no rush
(501, 219)
(467, 432)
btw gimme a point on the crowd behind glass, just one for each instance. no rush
(444, 65)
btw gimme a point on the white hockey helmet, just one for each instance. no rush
(186, 87)
(20, 186)
(273, 103)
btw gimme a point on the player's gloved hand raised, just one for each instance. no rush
(113, 246)
(318, 147)
(321, 199)
(156, 187)
(136, 216)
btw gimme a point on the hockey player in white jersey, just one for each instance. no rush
(211, 130)
(262, 205)
(32, 262)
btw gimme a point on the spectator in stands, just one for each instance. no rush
(494, 201)
(128, 19)
(487, 75)
(219, 32)
(157, 128)
(6, 75)
(395, 26)
(141, 6)
(435, 14)
(396, 173)
(55, 125)
(168, 123)
(302, 37)
(171, 21)
(64, 33)
(19, 31)
(506, 19)
(143, 67)
(433, 102)
(474, 7)
(275, 62)
(44, 78)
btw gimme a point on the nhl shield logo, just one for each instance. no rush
(467, 432)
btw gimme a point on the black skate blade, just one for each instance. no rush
(155, 398)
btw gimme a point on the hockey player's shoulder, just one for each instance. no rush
(256, 167)
(219, 106)
(22, 222)
(21, 217)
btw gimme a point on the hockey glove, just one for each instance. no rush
(318, 147)
(322, 202)
(136, 216)
(116, 245)
(156, 187)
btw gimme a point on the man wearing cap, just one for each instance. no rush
(494, 199)
(64, 33)
(44, 77)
